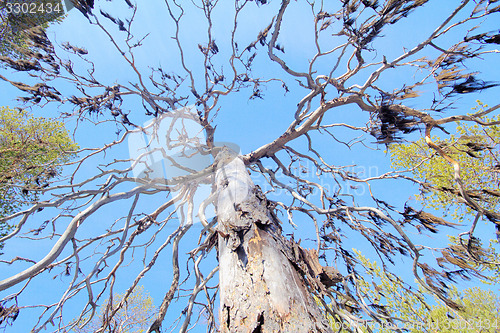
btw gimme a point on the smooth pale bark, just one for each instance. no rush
(260, 289)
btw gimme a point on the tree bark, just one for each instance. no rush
(261, 290)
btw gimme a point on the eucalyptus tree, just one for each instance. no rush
(133, 317)
(260, 124)
(32, 150)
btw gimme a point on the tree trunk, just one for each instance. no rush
(261, 290)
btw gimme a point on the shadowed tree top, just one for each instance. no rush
(17, 17)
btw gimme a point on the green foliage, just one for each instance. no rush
(389, 292)
(480, 312)
(31, 151)
(409, 308)
(13, 26)
(474, 147)
(133, 317)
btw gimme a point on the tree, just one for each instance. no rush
(415, 315)
(333, 92)
(33, 150)
(133, 317)
(474, 148)
(483, 318)
(17, 18)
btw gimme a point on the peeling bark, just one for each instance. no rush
(261, 290)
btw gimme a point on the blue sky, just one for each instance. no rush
(248, 123)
